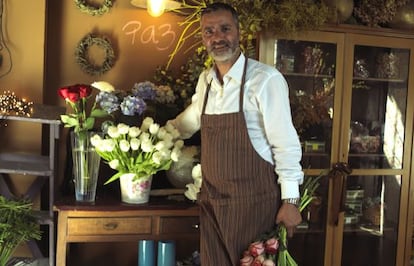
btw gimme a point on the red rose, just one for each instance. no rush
(271, 246)
(69, 94)
(84, 90)
(256, 248)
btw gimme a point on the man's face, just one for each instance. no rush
(220, 35)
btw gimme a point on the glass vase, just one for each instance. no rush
(85, 166)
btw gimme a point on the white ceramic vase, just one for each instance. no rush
(135, 190)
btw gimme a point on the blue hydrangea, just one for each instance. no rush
(132, 105)
(107, 101)
(145, 90)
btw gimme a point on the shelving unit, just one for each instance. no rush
(352, 102)
(43, 167)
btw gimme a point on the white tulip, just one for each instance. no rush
(108, 145)
(157, 158)
(113, 132)
(146, 145)
(148, 121)
(135, 144)
(191, 192)
(114, 164)
(103, 86)
(124, 145)
(153, 129)
(196, 172)
(160, 145)
(123, 129)
(161, 133)
(175, 154)
(96, 140)
(179, 144)
(134, 132)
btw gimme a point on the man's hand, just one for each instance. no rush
(290, 217)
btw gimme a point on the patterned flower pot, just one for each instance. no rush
(135, 190)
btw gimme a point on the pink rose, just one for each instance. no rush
(256, 248)
(246, 260)
(258, 261)
(271, 246)
(269, 262)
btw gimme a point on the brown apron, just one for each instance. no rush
(239, 197)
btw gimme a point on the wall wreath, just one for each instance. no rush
(86, 7)
(81, 54)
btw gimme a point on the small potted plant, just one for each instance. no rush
(17, 224)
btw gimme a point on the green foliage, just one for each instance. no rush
(17, 224)
(285, 17)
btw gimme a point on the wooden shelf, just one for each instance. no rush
(25, 164)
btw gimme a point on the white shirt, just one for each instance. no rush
(267, 112)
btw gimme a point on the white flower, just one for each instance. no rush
(148, 121)
(194, 188)
(135, 144)
(108, 145)
(124, 145)
(134, 132)
(179, 144)
(113, 132)
(114, 164)
(160, 145)
(153, 129)
(123, 129)
(157, 157)
(196, 172)
(175, 154)
(146, 145)
(191, 192)
(161, 133)
(103, 86)
(96, 140)
(169, 126)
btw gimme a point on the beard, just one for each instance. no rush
(224, 51)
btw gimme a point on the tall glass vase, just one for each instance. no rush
(85, 166)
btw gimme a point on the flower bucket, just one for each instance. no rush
(135, 190)
(85, 166)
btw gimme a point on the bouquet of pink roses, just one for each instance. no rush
(271, 249)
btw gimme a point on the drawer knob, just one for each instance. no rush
(195, 226)
(110, 226)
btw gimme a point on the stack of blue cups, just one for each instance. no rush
(165, 253)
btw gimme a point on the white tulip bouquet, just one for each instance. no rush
(141, 150)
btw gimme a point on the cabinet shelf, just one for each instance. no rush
(381, 80)
(304, 75)
(25, 164)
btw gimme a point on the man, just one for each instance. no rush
(242, 108)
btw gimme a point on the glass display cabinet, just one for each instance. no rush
(352, 95)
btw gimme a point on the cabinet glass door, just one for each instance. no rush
(377, 99)
(379, 103)
(309, 66)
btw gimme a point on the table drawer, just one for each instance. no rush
(109, 226)
(182, 224)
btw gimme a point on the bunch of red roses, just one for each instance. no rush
(77, 96)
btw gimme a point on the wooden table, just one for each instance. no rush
(110, 220)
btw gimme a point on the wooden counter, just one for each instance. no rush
(109, 220)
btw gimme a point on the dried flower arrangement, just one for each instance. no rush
(377, 13)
